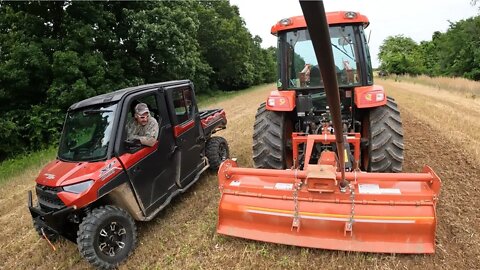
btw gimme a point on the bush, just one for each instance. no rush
(29, 130)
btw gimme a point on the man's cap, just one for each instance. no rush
(141, 108)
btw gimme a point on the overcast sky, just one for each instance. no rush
(417, 19)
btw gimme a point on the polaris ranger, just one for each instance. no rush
(100, 182)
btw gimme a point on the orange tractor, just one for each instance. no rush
(314, 139)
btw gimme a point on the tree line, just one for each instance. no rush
(55, 53)
(453, 53)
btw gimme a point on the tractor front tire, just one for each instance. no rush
(216, 151)
(106, 236)
(270, 134)
(385, 139)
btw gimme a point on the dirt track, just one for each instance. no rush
(183, 236)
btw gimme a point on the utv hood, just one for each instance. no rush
(60, 173)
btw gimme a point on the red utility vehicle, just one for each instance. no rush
(100, 183)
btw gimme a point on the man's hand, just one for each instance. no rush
(133, 143)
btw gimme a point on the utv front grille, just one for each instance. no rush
(48, 198)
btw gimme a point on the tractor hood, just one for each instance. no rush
(60, 173)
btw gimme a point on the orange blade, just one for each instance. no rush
(389, 216)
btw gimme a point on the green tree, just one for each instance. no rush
(458, 50)
(54, 54)
(400, 55)
(165, 36)
(227, 45)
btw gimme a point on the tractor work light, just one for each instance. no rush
(285, 22)
(350, 15)
(271, 102)
(379, 97)
(78, 187)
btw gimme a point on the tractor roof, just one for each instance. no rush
(337, 17)
(119, 94)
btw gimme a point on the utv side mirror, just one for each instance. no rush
(132, 146)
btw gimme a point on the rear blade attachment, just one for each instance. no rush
(383, 212)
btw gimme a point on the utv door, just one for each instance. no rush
(187, 132)
(150, 169)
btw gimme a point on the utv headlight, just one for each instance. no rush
(79, 187)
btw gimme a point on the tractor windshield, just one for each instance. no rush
(86, 133)
(299, 65)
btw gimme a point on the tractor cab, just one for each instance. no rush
(298, 66)
(299, 104)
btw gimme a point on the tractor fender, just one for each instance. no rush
(369, 96)
(281, 101)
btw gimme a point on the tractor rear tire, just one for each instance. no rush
(106, 236)
(216, 151)
(270, 138)
(52, 236)
(385, 137)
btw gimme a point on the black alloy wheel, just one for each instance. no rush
(106, 236)
(111, 240)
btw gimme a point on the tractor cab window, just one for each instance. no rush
(183, 104)
(300, 65)
(86, 133)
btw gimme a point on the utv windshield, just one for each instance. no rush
(300, 64)
(86, 134)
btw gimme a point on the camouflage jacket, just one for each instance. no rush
(146, 134)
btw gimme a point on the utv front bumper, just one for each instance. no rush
(54, 220)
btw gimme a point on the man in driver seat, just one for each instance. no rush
(143, 126)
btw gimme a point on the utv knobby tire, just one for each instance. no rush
(270, 135)
(98, 227)
(216, 151)
(52, 236)
(385, 137)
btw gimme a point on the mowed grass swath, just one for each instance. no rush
(184, 235)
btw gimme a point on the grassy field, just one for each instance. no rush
(15, 166)
(471, 89)
(452, 113)
(440, 130)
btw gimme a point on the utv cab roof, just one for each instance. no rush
(119, 94)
